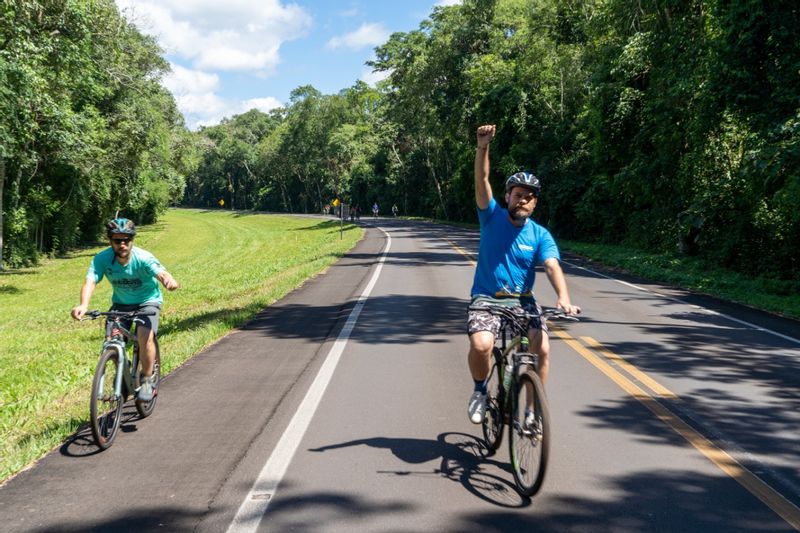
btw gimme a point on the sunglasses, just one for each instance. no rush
(121, 241)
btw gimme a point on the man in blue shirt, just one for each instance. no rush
(510, 248)
(134, 274)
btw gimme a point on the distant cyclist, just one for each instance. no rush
(375, 210)
(134, 274)
(511, 246)
(394, 210)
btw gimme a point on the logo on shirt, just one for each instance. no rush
(127, 283)
(526, 247)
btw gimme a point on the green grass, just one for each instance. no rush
(229, 266)
(781, 297)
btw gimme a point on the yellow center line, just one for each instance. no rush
(469, 256)
(722, 459)
(630, 369)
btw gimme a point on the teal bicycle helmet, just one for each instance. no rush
(121, 226)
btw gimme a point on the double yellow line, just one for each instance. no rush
(722, 459)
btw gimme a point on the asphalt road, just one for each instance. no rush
(343, 408)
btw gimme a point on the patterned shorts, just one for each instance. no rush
(478, 320)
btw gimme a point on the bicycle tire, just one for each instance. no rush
(529, 454)
(145, 409)
(493, 418)
(105, 406)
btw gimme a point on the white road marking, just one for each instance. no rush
(263, 491)
(709, 311)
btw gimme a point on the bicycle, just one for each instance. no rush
(513, 390)
(118, 376)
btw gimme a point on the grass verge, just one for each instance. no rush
(230, 265)
(781, 297)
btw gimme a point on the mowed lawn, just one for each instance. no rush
(229, 265)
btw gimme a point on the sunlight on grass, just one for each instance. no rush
(229, 265)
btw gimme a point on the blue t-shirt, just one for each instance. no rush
(508, 254)
(134, 283)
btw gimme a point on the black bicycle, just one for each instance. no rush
(516, 397)
(118, 376)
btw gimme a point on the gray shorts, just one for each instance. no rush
(150, 321)
(478, 320)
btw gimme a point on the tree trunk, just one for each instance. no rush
(2, 184)
(436, 183)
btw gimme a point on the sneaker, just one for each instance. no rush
(147, 391)
(477, 407)
(532, 426)
(530, 421)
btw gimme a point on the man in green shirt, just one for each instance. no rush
(134, 274)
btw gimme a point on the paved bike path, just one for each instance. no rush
(216, 420)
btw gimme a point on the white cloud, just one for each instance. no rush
(205, 36)
(262, 104)
(182, 80)
(449, 2)
(372, 77)
(227, 35)
(369, 34)
(195, 93)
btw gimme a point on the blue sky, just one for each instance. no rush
(229, 56)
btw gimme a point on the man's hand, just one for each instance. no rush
(167, 280)
(79, 311)
(567, 307)
(485, 135)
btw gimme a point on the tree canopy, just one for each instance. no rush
(667, 125)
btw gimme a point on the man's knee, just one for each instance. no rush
(144, 335)
(481, 342)
(539, 342)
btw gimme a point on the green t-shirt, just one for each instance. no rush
(134, 283)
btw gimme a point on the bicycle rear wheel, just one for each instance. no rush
(529, 445)
(493, 419)
(105, 406)
(145, 409)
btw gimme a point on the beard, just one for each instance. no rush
(518, 214)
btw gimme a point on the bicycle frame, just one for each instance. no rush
(518, 359)
(118, 339)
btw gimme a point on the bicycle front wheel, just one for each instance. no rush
(145, 409)
(105, 406)
(529, 433)
(493, 419)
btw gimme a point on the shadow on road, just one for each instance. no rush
(645, 501)
(133, 521)
(462, 458)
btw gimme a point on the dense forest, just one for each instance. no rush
(663, 124)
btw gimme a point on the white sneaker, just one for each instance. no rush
(532, 426)
(477, 407)
(530, 421)
(147, 391)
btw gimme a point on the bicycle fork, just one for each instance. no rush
(122, 377)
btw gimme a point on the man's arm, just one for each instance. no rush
(167, 280)
(556, 276)
(483, 191)
(86, 295)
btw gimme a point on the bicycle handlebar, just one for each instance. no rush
(92, 315)
(505, 312)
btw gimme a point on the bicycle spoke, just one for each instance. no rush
(529, 435)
